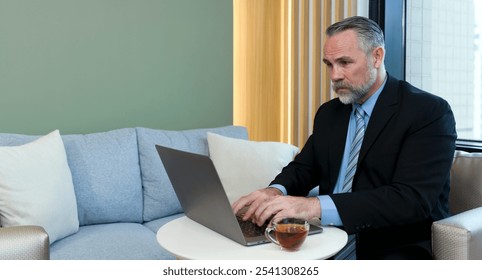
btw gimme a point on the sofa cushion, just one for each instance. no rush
(155, 225)
(466, 182)
(106, 174)
(245, 166)
(105, 171)
(160, 199)
(117, 241)
(36, 187)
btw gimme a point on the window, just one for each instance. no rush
(444, 56)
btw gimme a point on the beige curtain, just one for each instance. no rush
(279, 80)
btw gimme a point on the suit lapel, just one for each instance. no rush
(382, 112)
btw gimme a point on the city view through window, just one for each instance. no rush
(444, 57)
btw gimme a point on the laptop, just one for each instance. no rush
(203, 198)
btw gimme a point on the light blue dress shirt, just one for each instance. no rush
(329, 213)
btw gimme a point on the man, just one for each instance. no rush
(397, 184)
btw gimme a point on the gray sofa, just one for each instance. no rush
(122, 191)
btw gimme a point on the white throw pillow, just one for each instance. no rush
(245, 166)
(36, 187)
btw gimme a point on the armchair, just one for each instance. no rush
(460, 236)
(24, 243)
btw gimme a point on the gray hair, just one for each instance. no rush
(370, 35)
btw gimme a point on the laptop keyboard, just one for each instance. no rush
(250, 229)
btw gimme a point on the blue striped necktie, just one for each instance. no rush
(355, 149)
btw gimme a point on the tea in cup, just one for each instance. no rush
(288, 233)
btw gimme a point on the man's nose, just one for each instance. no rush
(336, 74)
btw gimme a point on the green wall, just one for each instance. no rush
(84, 66)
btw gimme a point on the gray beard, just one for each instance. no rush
(355, 94)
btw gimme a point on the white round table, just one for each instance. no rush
(187, 239)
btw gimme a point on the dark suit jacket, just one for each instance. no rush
(402, 180)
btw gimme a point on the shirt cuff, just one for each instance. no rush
(279, 187)
(329, 212)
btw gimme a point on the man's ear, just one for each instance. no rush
(378, 55)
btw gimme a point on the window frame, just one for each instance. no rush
(391, 16)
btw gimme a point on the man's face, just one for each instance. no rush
(352, 72)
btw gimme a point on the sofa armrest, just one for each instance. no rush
(458, 237)
(24, 243)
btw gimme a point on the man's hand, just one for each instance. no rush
(288, 206)
(254, 200)
(269, 203)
